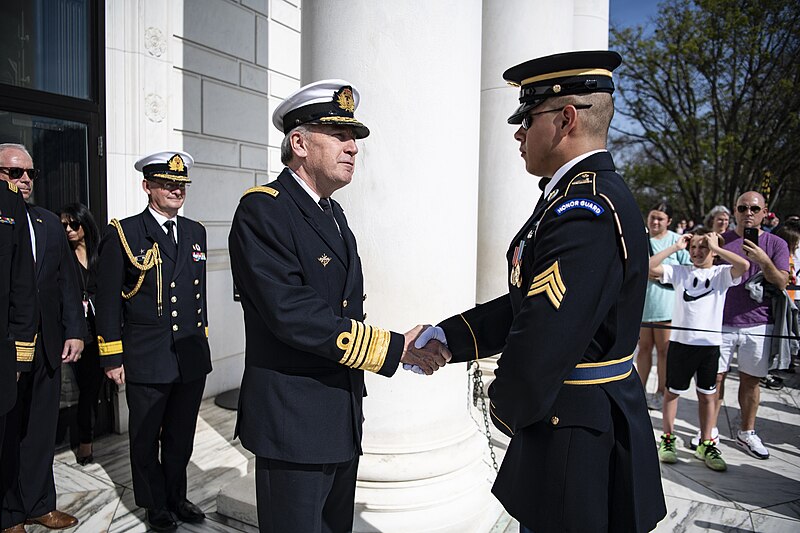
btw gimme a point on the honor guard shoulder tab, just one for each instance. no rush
(261, 188)
(12, 187)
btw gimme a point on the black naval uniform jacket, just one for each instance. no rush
(19, 313)
(60, 307)
(307, 346)
(155, 347)
(578, 299)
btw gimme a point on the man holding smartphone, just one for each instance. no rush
(748, 323)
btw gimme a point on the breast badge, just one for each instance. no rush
(324, 259)
(197, 254)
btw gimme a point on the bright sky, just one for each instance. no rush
(632, 12)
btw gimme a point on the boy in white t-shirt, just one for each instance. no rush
(699, 299)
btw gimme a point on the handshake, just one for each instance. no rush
(425, 350)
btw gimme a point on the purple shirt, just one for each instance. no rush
(740, 309)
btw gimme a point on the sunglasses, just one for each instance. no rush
(16, 173)
(527, 120)
(752, 208)
(74, 225)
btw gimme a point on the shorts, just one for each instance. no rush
(685, 361)
(752, 348)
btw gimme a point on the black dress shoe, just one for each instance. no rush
(186, 511)
(160, 520)
(85, 460)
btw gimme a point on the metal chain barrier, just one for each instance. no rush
(476, 391)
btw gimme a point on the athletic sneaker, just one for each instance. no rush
(708, 452)
(772, 382)
(655, 401)
(750, 442)
(695, 441)
(666, 449)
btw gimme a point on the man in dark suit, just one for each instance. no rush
(152, 329)
(296, 265)
(582, 456)
(31, 426)
(19, 314)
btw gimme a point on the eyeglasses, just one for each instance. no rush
(16, 173)
(527, 120)
(74, 225)
(752, 208)
(169, 185)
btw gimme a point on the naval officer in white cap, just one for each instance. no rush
(152, 329)
(296, 264)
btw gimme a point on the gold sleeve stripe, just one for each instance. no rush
(365, 347)
(261, 188)
(109, 348)
(474, 340)
(206, 331)
(25, 350)
(550, 283)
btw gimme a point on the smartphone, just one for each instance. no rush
(751, 234)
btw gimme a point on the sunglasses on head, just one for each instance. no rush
(74, 225)
(16, 173)
(752, 208)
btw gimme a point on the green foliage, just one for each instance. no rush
(712, 101)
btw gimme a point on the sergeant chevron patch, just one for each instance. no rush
(550, 283)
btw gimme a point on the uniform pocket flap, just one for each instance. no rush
(581, 406)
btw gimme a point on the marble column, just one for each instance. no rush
(515, 31)
(413, 207)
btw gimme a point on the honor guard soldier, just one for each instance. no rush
(296, 265)
(30, 439)
(152, 332)
(18, 310)
(582, 456)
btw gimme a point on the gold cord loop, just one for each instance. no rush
(151, 259)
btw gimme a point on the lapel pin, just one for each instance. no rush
(324, 259)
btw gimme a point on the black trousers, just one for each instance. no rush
(89, 377)
(162, 416)
(312, 498)
(29, 444)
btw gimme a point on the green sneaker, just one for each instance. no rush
(666, 449)
(710, 454)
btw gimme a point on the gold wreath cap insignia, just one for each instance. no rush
(176, 163)
(345, 99)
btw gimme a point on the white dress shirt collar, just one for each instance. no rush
(161, 219)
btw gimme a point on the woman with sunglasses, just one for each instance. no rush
(83, 237)
(658, 304)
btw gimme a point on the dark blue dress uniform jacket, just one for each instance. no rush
(301, 290)
(580, 297)
(19, 315)
(155, 348)
(59, 294)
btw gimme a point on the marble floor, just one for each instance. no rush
(753, 495)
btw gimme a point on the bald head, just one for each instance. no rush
(750, 210)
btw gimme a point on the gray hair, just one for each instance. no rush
(286, 144)
(716, 210)
(14, 146)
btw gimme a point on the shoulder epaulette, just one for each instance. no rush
(12, 187)
(262, 188)
(584, 178)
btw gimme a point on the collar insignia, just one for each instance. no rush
(324, 259)
(344, 99)
(552, 194)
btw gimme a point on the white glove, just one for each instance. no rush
(433, 333)
(436, 333)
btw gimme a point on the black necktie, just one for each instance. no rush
(170, 225)
(325, 204)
